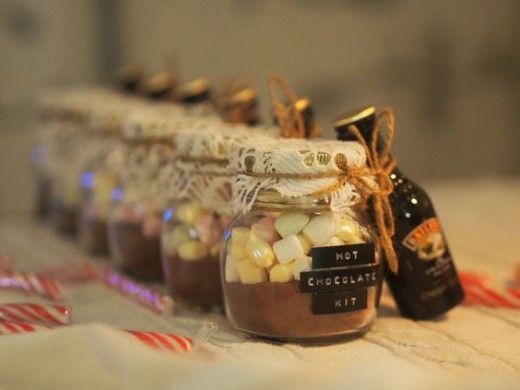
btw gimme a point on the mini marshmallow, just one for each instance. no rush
(250, 273)
(230, 270)
(290, 223)
(335, 241)
(281, 273)
(264, 228)
(287, 249)
(260, 252)
(305, 243)
(301, 264)
(237, 242)
(348, 230)
(320, 229)
(192, 251)
(208, 229)
(188, 212)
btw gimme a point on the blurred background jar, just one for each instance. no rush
(99, 173)
(301, 260)
(194, 224)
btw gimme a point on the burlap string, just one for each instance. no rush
(289, 119)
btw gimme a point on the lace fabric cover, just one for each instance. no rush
(144, 160)
(295, 168)
(203, 161)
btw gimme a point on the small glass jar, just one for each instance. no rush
(191, 242)
(292, 270)
(97, 188)
(134, 235)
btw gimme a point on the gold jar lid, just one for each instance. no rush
(196, 91)
(350, 117)
(160, 84)
(245, 95)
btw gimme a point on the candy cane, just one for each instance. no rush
(478, 290)
(8, 327)
(168, 341)
(162, 341)
(149, 297)
(51, 315)
(33, 283)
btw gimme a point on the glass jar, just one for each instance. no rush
(191, 239)
(134, 236)
(292, 270)
(42, 200)
(97, 188)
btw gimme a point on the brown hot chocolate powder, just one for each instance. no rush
(133, 252)
(64, 219)
(93, 235)
(280, 311)
(195, 282)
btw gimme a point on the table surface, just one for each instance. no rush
(482, 221)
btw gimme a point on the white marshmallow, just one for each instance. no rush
(287, 249)
(320, 229)
(290, 223)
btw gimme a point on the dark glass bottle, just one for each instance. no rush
(427, 284)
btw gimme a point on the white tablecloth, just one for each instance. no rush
(471, 345)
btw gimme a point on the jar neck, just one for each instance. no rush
(272, 201)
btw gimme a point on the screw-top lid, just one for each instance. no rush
(196, 91)
(160, 86)
(363, 118)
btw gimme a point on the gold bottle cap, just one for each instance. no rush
(353, 116)
(302, 104)
(243, 96)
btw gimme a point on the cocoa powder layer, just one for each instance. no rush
(93, 235)
(133, 252)
(195, 282)
(280, 311)
(64, 219)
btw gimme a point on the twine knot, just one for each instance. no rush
(380, 165)
(289, 119)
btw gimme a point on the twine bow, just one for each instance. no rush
(290, 120)
(380, 165)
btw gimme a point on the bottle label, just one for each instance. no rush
(339, 302)
(426, 240)
(434, 273)
(340, 278)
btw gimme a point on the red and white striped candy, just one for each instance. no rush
(479, 291)
(33, 283)
(166, 341)
(51, 315)
(73, 273)
(138, 293)
(19, 327)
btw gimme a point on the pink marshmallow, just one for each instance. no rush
(264, 228)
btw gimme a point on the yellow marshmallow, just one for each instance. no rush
(320, 229)
(287, 249)
(301, 264)
(230, 270)
(188, 212)
(192, 251)
(281, 273)
(305, 243)
(290, 223)
(250, 273)
(260, 252)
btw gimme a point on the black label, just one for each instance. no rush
(339, 279)
(343, 255)
(339, 302)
